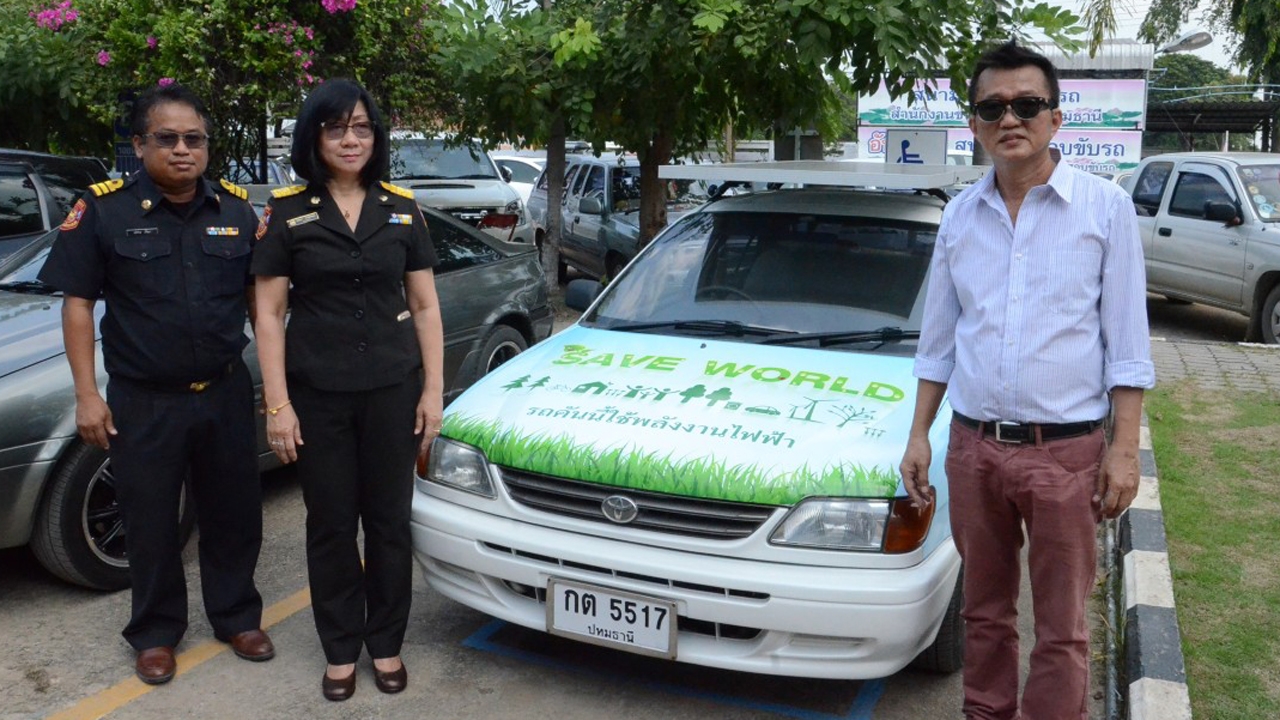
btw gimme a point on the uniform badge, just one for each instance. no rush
(262, 224)
(399, 219)
(222, 231)
(73, 218)
(304, 219)
(146, 204)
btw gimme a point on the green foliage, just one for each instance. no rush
(1181, 76)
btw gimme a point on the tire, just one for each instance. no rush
(79, 532)
(946, 654)
(504, 342)
(1269, 317)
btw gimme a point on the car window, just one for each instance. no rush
(574, 184)
(772, 269)
(1193, 191)
(24, 265)
(1149, 188)
(19, 204)
(594, 184)
(520, 172)
(432, 160)
(456, 248)
(1263, 184)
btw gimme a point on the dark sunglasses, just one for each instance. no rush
(1024, 108)
(169, 139)
(337, 131)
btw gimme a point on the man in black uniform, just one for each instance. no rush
(169, 253)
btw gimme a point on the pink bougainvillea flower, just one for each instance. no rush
(152, 42)
(165, 82)
(104, 57)
(336, 6)
(55, 17)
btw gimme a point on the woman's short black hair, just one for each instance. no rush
(160, 95)
(1011, 56)
(334, 101)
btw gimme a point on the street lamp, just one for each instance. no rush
(1191, 41)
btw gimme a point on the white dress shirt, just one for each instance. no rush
(1036, 323)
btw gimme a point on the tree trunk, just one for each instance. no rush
(555, 201)
(653, 193)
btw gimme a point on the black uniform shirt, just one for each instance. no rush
(173, 278)
(349, 325)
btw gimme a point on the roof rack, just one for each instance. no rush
(834, 172)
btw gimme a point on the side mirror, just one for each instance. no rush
(581, 293)
(506, 172)
(1223, 212)
(591, 205)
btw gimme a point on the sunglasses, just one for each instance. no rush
(169, 139)
(1024, 108)
(337, 131)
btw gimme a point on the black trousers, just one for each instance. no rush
(356, 469)
(164, 438)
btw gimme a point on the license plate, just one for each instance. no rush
(613, 618)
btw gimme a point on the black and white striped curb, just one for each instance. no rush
(1155, 672)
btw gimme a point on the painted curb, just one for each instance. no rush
(1153, 665)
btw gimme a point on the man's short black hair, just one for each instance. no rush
(334, 101)
(160, 95)
(1011, 56)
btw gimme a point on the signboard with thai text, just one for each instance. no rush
(1097, 151)
(1103, 104)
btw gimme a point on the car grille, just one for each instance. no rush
(658, 512)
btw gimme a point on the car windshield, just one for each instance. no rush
(1263, 185)
(424, 159)
(754, 275)
(681, 195)
(19, 271)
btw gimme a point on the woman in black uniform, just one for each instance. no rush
(350, 258)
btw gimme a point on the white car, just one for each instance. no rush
(521, 172)
(704, 467)
(460, 179)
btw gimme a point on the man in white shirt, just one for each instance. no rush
(1035, 331)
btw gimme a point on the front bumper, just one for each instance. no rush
(779, 619)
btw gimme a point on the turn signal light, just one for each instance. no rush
(908, 526)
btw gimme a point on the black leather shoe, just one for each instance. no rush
(339, 689)
(391, 682)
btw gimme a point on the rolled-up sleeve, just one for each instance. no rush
(1125, 334)
(936, 353)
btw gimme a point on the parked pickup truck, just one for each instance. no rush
(1210, 226)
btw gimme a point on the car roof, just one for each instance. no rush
(845, 202)
(1241, 158)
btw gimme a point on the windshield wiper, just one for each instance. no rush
(29, 287)
(419, 177)
(715, 327)
(884, 334)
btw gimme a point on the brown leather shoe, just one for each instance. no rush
(338, 689)
(156, 666)
(391, 682)
(253, 645)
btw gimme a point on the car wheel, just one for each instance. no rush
(1270, 317)
(503, 343)
(946, 654)
(79, 533)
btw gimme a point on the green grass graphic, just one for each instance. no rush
(621, 465)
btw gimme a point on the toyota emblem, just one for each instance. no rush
(620, 509)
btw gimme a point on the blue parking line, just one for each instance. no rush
(865, 701)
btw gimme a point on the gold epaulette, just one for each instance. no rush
(234, 189)
(285, 192)
(402, 192)
(107, 186)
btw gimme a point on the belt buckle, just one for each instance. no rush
(197, 387)
(1000, 436)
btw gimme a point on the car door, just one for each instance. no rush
(569, 247)
(1198, 257)
(584, 228)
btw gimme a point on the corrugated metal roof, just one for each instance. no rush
(1112, 55)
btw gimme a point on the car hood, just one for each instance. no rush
(445, 194)
(695, 417)
(30, 330)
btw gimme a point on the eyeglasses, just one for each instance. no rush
(169, 139)
(1024, 108)
(337, 131)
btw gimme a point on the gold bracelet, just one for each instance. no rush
(276, 410)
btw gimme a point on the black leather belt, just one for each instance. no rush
(1022, 433)
(176, 387)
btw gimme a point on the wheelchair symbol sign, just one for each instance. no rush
(916, 147)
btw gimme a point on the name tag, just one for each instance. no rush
(398, 219)
(222, 231)
(136, 232)
(304, 219)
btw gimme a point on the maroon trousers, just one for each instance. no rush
(995, 489)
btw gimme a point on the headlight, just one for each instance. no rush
(891, 526)
(516, 207)
(459, 466)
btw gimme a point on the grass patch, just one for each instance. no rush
(1218, 454)
(622, 465)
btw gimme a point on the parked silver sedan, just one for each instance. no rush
(57, 493)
